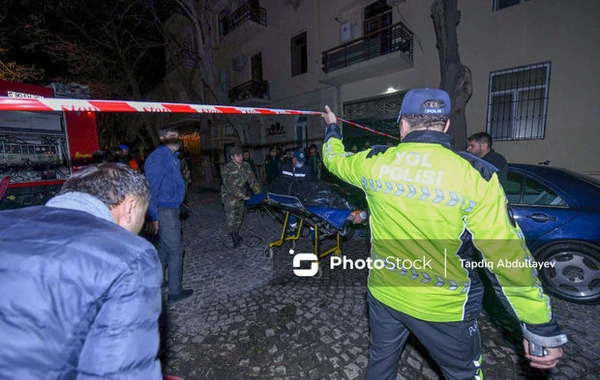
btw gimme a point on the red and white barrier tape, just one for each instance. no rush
(369, 129)
(88, 105)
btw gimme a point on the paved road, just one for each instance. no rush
(252, 318)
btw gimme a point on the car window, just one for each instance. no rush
(537, 194)
(522, 189)
(513, 186)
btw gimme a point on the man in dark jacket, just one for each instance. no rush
(480, 145)
(272, 165)
(250, 161)
(167, 191)
(80, 290)
(314, 161)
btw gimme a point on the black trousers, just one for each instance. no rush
(455, 346)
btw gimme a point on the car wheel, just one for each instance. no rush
(575, 276)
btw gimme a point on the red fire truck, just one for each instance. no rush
(40, 150)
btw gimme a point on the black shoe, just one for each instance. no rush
(235, 238)
(185, 293)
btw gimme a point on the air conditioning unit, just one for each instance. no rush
(238, 63)
(346, 33)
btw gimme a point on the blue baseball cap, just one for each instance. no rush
(300, 156)
(413, 101)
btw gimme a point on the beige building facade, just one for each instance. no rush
(533, 62)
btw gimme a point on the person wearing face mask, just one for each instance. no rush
(296, 169)
(167, 192)
(292, 172)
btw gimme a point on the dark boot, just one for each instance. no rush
(235, 238)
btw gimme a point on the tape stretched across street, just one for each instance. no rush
(88, 105)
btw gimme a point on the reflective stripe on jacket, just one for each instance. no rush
(433, 212)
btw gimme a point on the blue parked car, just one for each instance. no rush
(559, 213)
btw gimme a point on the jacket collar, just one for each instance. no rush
(82, 202)
(427, 136)
(176, 153)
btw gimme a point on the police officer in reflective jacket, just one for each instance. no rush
(436, 215)
(236, 174)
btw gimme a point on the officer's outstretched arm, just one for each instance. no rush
(343, 165)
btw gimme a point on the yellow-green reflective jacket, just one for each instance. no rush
(433, 212)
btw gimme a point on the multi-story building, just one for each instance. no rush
(533, 62)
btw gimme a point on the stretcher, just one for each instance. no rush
(323, 222)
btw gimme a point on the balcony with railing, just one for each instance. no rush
(253, 92)
(246, 22)
(387, 50)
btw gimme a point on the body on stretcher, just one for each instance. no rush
(325, 221)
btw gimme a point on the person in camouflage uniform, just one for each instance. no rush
(236, 174)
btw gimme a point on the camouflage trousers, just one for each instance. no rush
(234, 213)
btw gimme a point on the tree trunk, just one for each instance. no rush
(455, 77)
(201, 16)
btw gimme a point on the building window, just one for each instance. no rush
(518, 101)
(299, 54)
(256, 65)
(223, 22)
(377, 15)
(300, 124)
(501, 4)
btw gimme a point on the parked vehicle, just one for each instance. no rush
(40, 150)
(559, 213)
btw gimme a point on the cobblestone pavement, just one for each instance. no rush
(252, 318)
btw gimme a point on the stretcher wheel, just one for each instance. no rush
(319, 274)
(346, 233)
(269, 252)
(291, 244)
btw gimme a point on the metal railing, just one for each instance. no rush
(251, 89)
(396, 37)
(247, 12)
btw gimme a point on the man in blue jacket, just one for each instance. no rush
(167, 191)
(80, 291)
